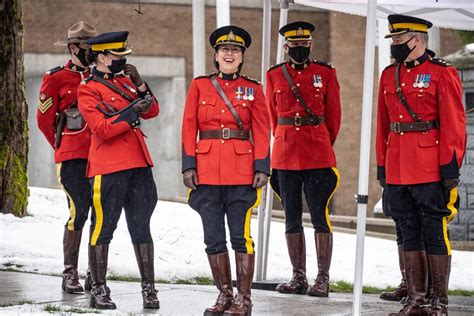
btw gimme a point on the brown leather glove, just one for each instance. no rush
(383, 183)
(450, 183)
(259, 180)
(131, 71)
(142, 106)
(190, 179)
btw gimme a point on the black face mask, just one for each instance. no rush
(117, 65)
(299, 54)
(83, 58)
(400, 52)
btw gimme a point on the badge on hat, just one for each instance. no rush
(422, 81)
(317, 81)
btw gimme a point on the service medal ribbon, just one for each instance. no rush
(238, 93)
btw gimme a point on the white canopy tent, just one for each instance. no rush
(455, 14)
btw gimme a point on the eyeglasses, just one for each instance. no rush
(230, 49)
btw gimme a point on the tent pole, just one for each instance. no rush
(222, 12)
(267, 191)
(364, 162)
(199, 62)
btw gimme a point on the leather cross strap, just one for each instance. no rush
(113, 88)
(227, 102)
(296, 92)
(225, 133)
(403, 101)
(301, 120)
(421, 126)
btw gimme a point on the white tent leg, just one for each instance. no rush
(222, 12)
(364, 162)
(264, 211)
(199, 62)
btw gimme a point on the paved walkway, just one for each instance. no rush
(185, 300)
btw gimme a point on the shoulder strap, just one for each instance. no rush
(295, 91)
(403, 101)
(113, 88)
(227, 102)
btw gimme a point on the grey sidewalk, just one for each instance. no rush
(193, 299)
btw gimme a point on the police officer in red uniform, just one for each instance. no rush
(58, 99)
(305, 115)
(119, 168)
(228, 164)
(421, 138)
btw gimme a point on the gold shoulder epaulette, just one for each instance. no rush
(251, 79)
(276, 66)
(323, 63)
(206, 75)
(53, 70)
(440, 61)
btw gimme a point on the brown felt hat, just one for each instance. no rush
(79, 33)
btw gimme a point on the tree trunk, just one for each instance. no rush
(13, 112)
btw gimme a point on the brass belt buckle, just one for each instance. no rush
(226, 133)
(298, 121)
(396, 127)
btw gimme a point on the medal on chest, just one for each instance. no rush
(422, 81)
(239, 91)
(317, 81)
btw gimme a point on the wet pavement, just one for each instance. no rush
(175, 299)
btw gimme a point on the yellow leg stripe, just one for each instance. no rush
(248, 239)
(99, 217)
(453, 195)
(189, 194)
(72, 206)
(328, 221)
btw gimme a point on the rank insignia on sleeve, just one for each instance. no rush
(43, 106)
(422, 81)
(317, 81)
(42, 96)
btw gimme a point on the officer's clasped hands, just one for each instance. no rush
(142, 106)
(132, 72)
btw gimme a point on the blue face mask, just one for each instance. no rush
(117, 65)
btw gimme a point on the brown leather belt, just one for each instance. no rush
(225, 133)
(301, 120)
(423, 126)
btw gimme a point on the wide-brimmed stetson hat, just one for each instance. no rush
(79, 33)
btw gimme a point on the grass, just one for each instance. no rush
(200, 280)
(22, 302)
(78, 310)
(50, 308)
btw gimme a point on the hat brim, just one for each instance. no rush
(230, 43)
(392, 34)
(125, 52)
(296, 39)
(67, 42)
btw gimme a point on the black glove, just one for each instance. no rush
(382, 182)
(190, 179)
(259, 180)
(132, 72)
(450, 183)
(128, 116)
(142, 106)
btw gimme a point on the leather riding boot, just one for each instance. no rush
(71, 244)
(440, 267)
(242, 305)
(100, 293)
(146, 264)
(220, 267)
(401, 291)
(324, 254)
(88, 280)
(297, 251)
(416, 267)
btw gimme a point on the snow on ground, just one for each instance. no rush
(34, 244)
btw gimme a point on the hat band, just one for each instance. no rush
(237, 39)
(297, 33)
(410, 26)
(107, 46)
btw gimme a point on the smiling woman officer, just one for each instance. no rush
(226, 168)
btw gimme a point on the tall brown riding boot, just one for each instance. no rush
(440, 267)
(145, 259)
(324, 254)
(297, 251)
(88, 280)
(220, 267)
(100, 293)
(416, 267)
(401, 291)
(242, 305)
(71, 244)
